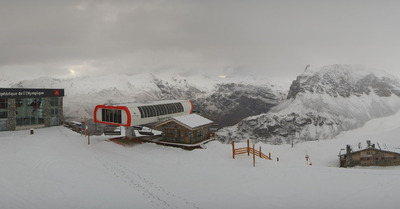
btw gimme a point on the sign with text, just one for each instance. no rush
(27, 93)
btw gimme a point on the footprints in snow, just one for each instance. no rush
(154, 193)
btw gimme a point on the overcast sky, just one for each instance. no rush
(265, 38)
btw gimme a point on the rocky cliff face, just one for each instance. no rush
(344, 81)
(226, 103)
(229, 103)
(321, 104)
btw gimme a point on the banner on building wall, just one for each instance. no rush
(27, 93)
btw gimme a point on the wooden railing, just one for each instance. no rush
(249, 150)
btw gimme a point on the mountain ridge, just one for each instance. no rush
(219, 99)
(321, 102)
(320, 105)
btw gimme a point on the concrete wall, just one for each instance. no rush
(12, 122)
(61, 111)
(47, 111)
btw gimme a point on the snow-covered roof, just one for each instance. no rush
(384, 147)
(193, 120)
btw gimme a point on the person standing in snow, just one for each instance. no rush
(83, 127)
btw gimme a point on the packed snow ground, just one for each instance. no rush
(56, 168)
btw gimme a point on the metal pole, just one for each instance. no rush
(291, 133)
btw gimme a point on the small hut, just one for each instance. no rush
(370, 155)
(187, 129)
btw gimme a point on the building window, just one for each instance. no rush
(3, 114)
(189, 134)
(54, 106)
(161, 109)
(54, 111)
(3, 104)
(112, 116)
(54, 101)
(29, 111)
(3, 108)
(169, 132)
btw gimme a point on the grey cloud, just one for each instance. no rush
(273, 38)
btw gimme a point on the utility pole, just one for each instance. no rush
(85, 126)
(293, 127)
(291, 133)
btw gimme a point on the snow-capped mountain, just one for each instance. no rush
(321, 103)
(229, 103)
(221, 100)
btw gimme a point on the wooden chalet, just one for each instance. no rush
(187, 129)
(371, 155)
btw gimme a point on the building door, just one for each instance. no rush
(3, 114)
(54, 111)
(54, 121)
(3, 124)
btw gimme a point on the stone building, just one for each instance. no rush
(187, 129)
(30, 108)
(370, 155)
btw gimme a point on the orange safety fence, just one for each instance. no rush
(248, 150)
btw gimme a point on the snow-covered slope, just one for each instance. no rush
(321, 104)
(56, 168)
(221, 100)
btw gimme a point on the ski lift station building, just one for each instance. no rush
(173, 118)
(22, 108)
(136, 114)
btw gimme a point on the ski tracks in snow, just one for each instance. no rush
(154, 193)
